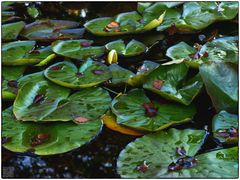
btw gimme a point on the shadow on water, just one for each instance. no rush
(97, 159)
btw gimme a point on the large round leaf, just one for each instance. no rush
(23, 52)
(10, 31)
(10, 75)
(62, 136)
(158, 150)
(132, 111)
(36, 100)
(48, 30)
(45, 101)
(123, 23)
(66, 74)
(225, 127)
(77, 49)
(221, 82)
(169, 81)
(133, 48)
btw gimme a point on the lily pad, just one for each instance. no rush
(109, 120)
(136, 111)
(10, 75)
(152, 155)
(60, 137)
(41, 100)
(23, 52)
(10, 31)
(49, 30)
(121, 75)
(90, 73)
(170, 82)
(225, 127)
(123, 23)
(221, 49)
(133, 48)
(77, 49)
(158, 150)
(192, 16)
(221, 80)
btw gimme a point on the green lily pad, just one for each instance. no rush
(133, 48)
(62, 136)
(221, 80)
(77, 49)
(90, 73)
(10, 31)
(23, 52)
(192, 16)
(158, 150)
(221, 49)
(10, 75)
(121, 75)
(136, 111)
(49, 30)
(33, 12)
(169, 81)
(45, 101)
(151, 155)
(123, 23)
(36, 100)
(225, 127)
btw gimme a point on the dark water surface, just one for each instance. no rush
(97, 159)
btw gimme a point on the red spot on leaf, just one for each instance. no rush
(13, 83)
(142, 167)
(85, 44)
(150, 110)
(172, 30)
(38, 98)
(157, 84)
(39, 139)
(79, 119)
(56, 68)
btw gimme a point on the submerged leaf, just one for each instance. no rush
(11, 31)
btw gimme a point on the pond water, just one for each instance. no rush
(97, 159)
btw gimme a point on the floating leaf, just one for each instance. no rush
(66, 74)
(45, 101)
(173, 86)
(133, 48)
(120, 75)
(225, 127)
(10, 31)
(10, 75)
(123, 23)
(159, 150)
(77, 49)
(23, 52)
(221, 49)
(62, 136)
(136, 111)
(50, 30)
(221, 80)
(109, 120)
